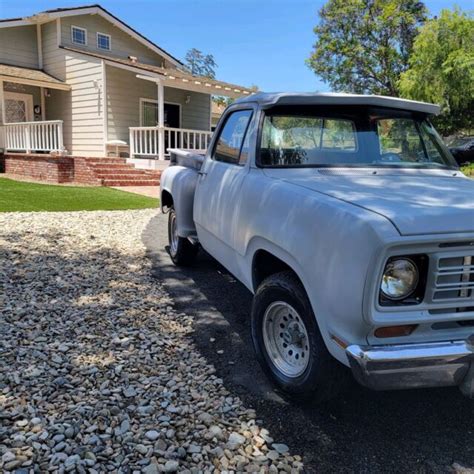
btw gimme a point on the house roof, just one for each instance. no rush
(331, 98)
(174, 77)
(48, 15)
(33, 77)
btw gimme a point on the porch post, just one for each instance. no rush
(161, 120)
(2, 102)
(43, 105)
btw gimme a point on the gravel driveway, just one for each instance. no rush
(98, 370)
(422, 431)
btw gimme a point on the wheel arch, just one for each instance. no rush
(178, 184)
(265, 264)
(268, 258)
(278, 260)
(166, 200)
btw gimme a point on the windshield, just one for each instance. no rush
(350, 136)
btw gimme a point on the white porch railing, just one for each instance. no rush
(33, 136)
(145, 141)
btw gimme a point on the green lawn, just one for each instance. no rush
(22, 196)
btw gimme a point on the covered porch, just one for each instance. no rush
(27, 124)
(152, 110)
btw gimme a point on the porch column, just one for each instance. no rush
(2, 102)
(43, 104)
(161, 120)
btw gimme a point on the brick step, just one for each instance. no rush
(104, 161)
(111, 166)
(128, 175)
(130, 182)
(106, 173)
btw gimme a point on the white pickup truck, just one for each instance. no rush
(348, 219)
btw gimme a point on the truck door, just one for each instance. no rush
(220, 181)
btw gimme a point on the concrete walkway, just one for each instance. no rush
(150, 191)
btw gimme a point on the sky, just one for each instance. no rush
(254, 42)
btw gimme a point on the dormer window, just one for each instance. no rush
(78, 35)
(103, 41)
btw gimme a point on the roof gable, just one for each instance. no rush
(49, 15)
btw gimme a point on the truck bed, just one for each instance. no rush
(185, 158)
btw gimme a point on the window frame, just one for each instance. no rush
(155, 101)
(97, 41)
(81, 29)
(244, 136)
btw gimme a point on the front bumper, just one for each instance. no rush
(402, 366)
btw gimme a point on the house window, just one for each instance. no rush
(149, 113)
(103, 41)
(78, 35)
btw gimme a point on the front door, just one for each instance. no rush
(172, 112)
(172, 120)
(18, 107)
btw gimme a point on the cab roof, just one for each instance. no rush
(269, 99)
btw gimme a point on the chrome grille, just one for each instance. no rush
(454, 278)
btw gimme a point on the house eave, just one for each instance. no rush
(31, 82)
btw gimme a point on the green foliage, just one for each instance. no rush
(363, 46)
(442, 69)
(222, 100)
(200, 64)
(468, 170)
(26, 197)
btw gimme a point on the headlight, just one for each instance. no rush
(400, 279)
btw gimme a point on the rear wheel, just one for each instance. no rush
(288, 342)
(182, 251)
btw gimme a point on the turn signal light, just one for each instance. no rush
(395, 331)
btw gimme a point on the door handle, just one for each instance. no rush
(202, 173)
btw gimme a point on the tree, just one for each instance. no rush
(363, 46)
(442, 69)
(200, 64)
(226, 101)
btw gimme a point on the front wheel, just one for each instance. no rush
(288, 342)
(182, 251)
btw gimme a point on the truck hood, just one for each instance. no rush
(419, 202)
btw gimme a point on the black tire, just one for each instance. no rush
(323, 376)
(182, 251)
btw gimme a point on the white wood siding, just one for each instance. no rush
(122, 45)
(80, 108)
(18, 46)
(124, 91)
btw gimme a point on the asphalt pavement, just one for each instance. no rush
(422, 431)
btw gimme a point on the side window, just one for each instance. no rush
(103, 41)
(400, 136)
(231, 138)
(78, 35)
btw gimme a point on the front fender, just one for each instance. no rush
(180, 182)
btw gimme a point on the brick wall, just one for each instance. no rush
(47, 168)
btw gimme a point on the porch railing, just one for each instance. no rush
(33, 136)
(145, 141)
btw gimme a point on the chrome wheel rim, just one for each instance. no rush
(173, 234)
(286, 339)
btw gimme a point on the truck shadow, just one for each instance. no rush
(360, 431)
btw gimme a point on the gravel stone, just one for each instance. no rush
(280, 448)
(171, 466)
(152, 435)
(98, 372)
